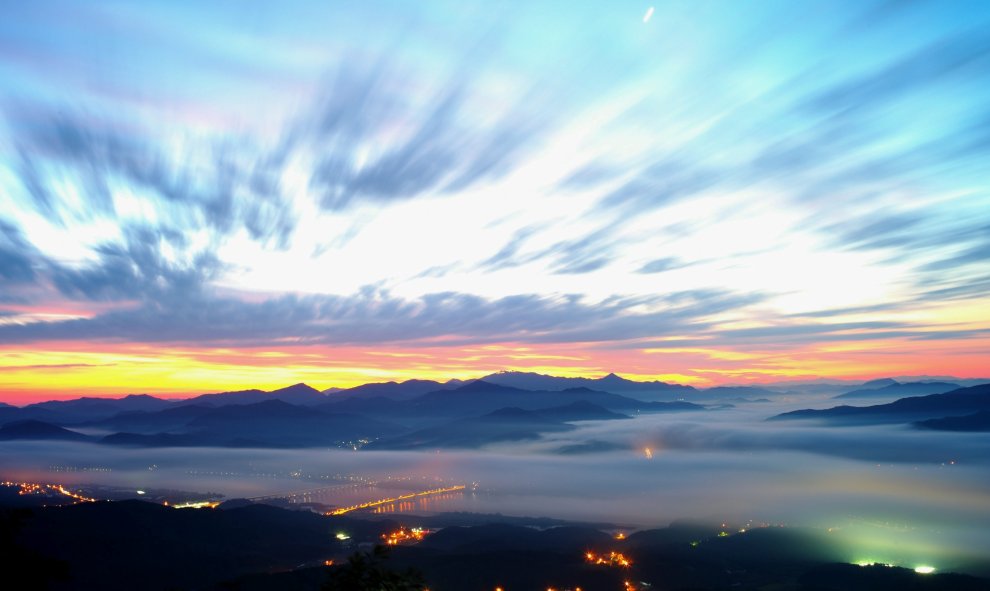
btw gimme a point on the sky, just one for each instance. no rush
(210, 196)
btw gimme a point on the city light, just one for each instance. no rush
(197, 505)
(405, 535)
(31, 488)
(616, 559)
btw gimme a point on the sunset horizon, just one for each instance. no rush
(236, 381)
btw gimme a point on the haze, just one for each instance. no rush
(890, 493)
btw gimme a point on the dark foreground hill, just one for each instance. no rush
(140, 545)
(131, 545)
(680, 557)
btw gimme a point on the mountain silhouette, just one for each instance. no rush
(958, 402)
(295, 394)
(504, 424)
(900, 390)
(611, 382)
(34, 430)
(978, 421)
(393, 390)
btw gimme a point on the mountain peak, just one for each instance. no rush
(478, 386)
(880, 383)
(300, 387)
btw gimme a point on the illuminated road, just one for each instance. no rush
(379, 502)
(28, 488)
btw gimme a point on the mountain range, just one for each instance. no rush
(430, 414)
(392, 415)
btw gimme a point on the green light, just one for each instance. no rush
(342, 536)
(872, 563)
(924, 570)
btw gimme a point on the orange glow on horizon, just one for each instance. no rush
(71, 369)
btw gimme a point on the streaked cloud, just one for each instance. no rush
(747, 181)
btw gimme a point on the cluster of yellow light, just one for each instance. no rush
(197, 505)
(648, 453)
(405, 535)
(371, 504)
(33, 488)
(616, 559)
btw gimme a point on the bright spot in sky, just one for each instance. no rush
(924, 570)
(648, 15)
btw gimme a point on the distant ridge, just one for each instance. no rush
(38, 430)
(978, 421)
(958, 402)
(655, 390)
(294, 394)
(392, 390)
(894, 389)
(879, 383)
(503, 424)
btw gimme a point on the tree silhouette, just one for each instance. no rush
(365, 571)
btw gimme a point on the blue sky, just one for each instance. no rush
(724, 191)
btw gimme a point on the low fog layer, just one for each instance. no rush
(893, 493)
